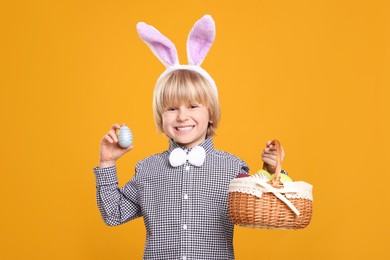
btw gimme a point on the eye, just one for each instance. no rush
(170, 109)
(193, 106)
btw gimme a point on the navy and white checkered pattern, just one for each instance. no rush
(185, 208)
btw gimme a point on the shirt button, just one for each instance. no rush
(187, 168)
(185, 227)
(185, 196)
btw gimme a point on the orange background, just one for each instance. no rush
(313, 74)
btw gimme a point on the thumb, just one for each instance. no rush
(128, 149)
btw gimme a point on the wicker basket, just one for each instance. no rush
(256, 202)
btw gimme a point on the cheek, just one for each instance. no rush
(166, 120)
(206, 118)
(165, 128)
(164, 123)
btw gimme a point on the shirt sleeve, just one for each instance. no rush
(244, 167)
(116, 205)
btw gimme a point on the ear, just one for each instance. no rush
(160, 45)
(200, 39)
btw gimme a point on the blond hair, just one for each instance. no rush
(185, 86)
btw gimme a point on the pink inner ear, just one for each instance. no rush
(199, 47)
(164, 53)
(200, 40)
(160, 45)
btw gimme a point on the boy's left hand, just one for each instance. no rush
(269, 156)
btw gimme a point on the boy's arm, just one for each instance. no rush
(116, 205)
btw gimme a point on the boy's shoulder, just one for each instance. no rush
(227, 158)
(226, 155)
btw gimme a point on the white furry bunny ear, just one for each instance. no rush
(160, 45)
(199, 42)
(200, 39)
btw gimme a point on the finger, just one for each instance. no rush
(115, 127)
(129, 148)
(269, 151)
(267, 143)
(112, 132)
(269, 156)
(272, 147)
(107, 139)
(113, 135)
(269, 161)
(125, 150)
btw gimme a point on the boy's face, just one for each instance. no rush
(186, 123)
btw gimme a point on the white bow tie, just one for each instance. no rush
(195, 157)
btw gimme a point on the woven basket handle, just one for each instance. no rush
(275, 182)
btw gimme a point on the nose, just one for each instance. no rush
(182, 114)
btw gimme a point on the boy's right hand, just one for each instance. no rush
(110, 151)
(269, 156)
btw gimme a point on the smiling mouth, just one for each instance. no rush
(184, 128)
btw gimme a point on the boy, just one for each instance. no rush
(182, 193)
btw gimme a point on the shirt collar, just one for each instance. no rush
(208, 145)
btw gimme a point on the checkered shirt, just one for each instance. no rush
(185, 208)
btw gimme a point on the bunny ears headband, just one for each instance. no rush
(199, 42)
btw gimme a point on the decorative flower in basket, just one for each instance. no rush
(257, 202)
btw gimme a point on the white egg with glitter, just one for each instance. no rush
(125, 136)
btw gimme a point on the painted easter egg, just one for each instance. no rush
(242, 175)
(125, 136)
(264, 174)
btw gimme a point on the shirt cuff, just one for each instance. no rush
(105, 176)
(284, 172)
